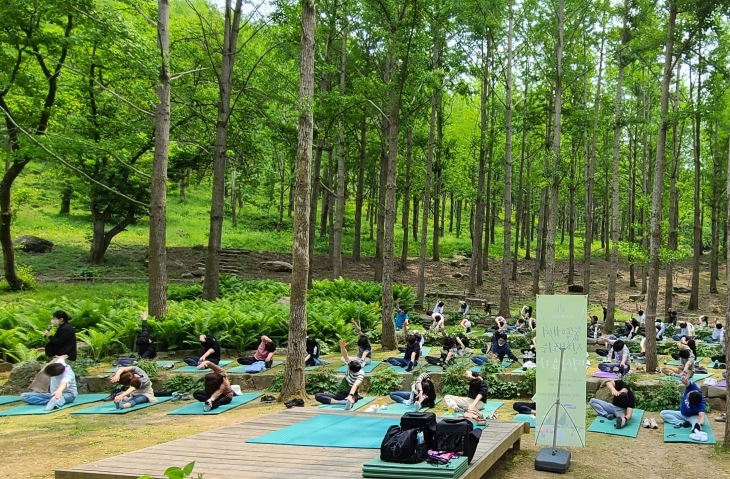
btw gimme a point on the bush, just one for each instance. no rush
(184, 384)
(383, 382)
(322, 379)
(668, 397)
(149, 367)
(277, 382)
(453, 382)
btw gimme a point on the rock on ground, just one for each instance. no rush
(278, 266)
(33, 244)
(20, 378)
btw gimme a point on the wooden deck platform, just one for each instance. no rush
(224, 453)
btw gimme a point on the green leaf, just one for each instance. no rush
(189, 468)
(175, 473)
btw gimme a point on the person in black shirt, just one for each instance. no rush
(145, 344)
(621, 407)
(312, 357)
(211, 352)
(476, 397)
(63, 342)
(411, 355)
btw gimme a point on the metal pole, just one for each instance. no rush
(557, 401)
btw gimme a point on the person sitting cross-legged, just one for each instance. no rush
(686, 367)
(264, 352)
(475, 398)
(621, 407)
(691, 411)
(217, 390)
(211, 352)
(139, 387)
(354, 377)
(449, 352)
(410, 356)
(62, 390)
(621, 357)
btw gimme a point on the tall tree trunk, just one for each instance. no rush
(656, 204)
(415, 218)
(673, 237)
(571, 222)
(459, 206)
(293, 385)
(716, 172)
(340, 210)
(476, 237)
(437, 202)
(451, 212)
(406, 200)
(590, 173)
(157, 292)
(694, 296)
(538, 249)
(617, 127)
(234, 195)
(66, 196)
(726, 439)
(520, 204)
(632, 209)
(555, 181)
(381, 187)
(506, 251)
(360, 187)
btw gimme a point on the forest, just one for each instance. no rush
(394, 129)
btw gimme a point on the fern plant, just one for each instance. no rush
(322, 379)
(384, 382)
(453, 381)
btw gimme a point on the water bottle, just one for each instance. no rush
(419, 437)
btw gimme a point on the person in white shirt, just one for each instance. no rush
(718, 334)
(686, 331)
(438, 321)
(439, 308)
(463, 308)
(62, 390)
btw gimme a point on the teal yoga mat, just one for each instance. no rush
(377, 468)
(8, 399)
(525, 418)
(488, 409)
(675, 362)
(606, 426)
(477, 369)
(368, 368)
(682, 434)
(362, 402)
(695, 378)
(425, 350)
(196, 408)
(111, 407)
(28, 409)
(162, 364)
(242, 369)
(327, 430)
(194, 369)
(400, 408)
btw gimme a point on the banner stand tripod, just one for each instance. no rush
(552, 459)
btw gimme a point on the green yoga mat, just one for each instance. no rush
(196, 408)
(362, 402)
(161, 364)
(111, 407)
(400, 408)
(29, 409)
(631, 429)
(682, 434)
(525, 418)
(489, 408)
(695, 378)
(377, 468)
(368, 368)
(327, 430)
(242, 368)
(194, 369)
(8, 399)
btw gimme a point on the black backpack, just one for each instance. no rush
(457, 435)
(424, 422)
(401, 445)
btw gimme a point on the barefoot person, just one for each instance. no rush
(62, 386)
(686, 367)
(139, 387)
(621, 407)
(354, 377)
(217, 390)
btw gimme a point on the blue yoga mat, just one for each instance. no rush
(196, 408)
(328, 430)
(606, 426)
(242, 368)
(29, 409)
(8, 399)
(194, 369)
(368, 368)
(111, 407)
(525, 418)
(362, 402)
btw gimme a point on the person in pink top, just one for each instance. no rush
(265, 352)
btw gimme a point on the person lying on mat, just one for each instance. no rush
(475, 398)
(139, 387)
(410, 356)
(621, 359)
(500, 349)
(622, 404)
(526, 407)
(437, 321)
(62, 389)
(421, 395)
(265, 352)
(217, 390)
(211, 352)
(364, 349)
(354, 377)
(691, 409)
(686, 331)
(686, 367)
(145, 344)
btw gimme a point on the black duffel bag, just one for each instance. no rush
(458, 436)
(424, 422)
(401, 445)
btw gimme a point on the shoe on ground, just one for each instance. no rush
(207, 406)
(653, 423)
(294, 403)
(176, 396)
(52, 404)
(268, 399)
(372, 408)
(646, 423)
(721, 418)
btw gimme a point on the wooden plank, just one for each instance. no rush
(231, 458)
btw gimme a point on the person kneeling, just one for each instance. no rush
(621, 407)
(62, 390)
(217, 390)
(354, 377)
(139, 388)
